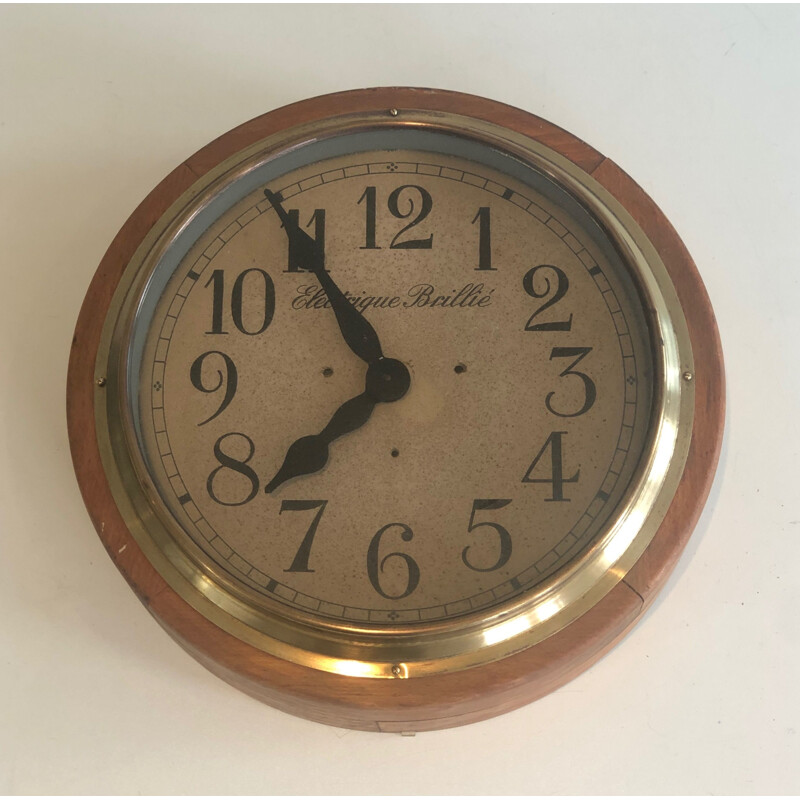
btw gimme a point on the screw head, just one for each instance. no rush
(688, 376)
(394, 112)
(101, 381)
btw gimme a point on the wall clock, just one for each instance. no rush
(396, 407)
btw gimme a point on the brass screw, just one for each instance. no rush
(687, 376)
(101, 381)
(394, 112)
(397, 670)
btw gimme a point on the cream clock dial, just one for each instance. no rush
(528, 373)
(399, 391)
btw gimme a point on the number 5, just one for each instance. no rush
(505, 536)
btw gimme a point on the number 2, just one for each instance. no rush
(562, 284)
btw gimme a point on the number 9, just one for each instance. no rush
(229, 379)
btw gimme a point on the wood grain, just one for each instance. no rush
(429, 702)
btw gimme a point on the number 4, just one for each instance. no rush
(556, 479)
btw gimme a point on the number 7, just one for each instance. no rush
(300, 563)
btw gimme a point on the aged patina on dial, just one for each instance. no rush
(525, 414)
(392, 393)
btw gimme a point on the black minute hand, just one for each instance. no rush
(358, 334)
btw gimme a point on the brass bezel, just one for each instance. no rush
(430, 648)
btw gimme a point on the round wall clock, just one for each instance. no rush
(396, 407)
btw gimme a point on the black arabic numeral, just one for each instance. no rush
(229, 380)
(318, 221)
(484, 238)
(554, 446)
(504, 535)
(236, 465)
(370, 199)
(237, 302)
(410, 203)
(529, 283)
(300, 561)
(218, 298)
(426, 204)
(263, 312)
(589, 387)
(376, 565)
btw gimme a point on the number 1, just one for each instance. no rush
(484, 238)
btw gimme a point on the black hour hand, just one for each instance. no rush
(309, 454)
(387, 381)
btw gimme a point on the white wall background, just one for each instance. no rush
(699, 104)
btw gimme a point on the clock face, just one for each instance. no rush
(487, 450)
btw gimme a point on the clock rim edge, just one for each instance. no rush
(436, 701)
